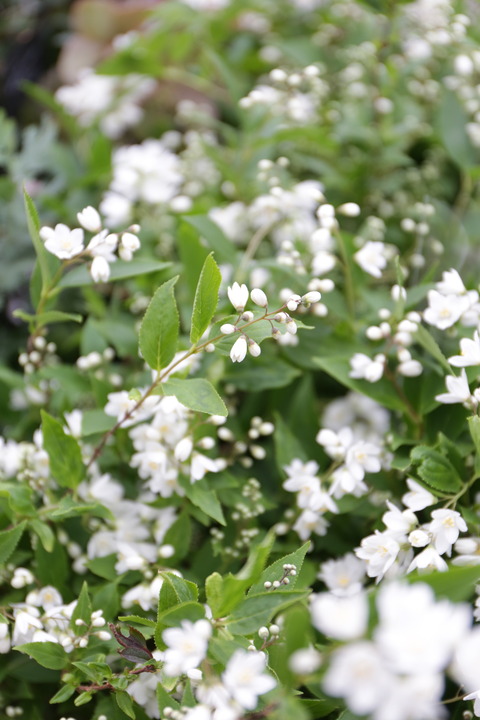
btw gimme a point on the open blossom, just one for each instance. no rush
(418, 498)
(443, 311)
(372, 258)
(379, 551)
(445, 528)
(458, 390)
(186, 646)
(245, 679)
(469, 352)
(63, 242)
(343, 618)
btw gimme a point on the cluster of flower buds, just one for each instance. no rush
(289, 570)
(104, 247)
(43, 353)
(239, 296)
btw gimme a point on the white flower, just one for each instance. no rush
(63, 242)
(358, 673)
(186, 646)
(465, 666)
(239, 349)
(445, 528)
(428, 559)
(100, 269)
(363, 457)
(343, 618)
(244, 678)
(469, 352)
(304, 661)
(451, 283)
(418, 498)
(21, 577)
(200, 465)
(363, 367)
(238, 296)
(444, 310)
(90, 219)
(372, 258)
(379, 551)
(343, 576)
(5, 643)
(458, 390)
(308, 522)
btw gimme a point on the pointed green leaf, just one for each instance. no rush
(45, 533)
(175, 590)
(45, 260)
(206, 298)
(196, 394)
(216, 239)
(48, 654)
(66, 464)
(200, 495)
(275, 570)
(9, 540)
(82, 611)
(80, 276)
(159, 328)
(62, 695)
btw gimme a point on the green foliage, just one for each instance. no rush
(159, 329)
(206, 298)
(66, 462)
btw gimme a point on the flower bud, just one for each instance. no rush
(258, 297)
(90, 219)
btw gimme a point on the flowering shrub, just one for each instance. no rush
(240, 450)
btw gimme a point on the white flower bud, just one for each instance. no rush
(349, 209)
(291, 327)
(184, 449)
(100, 269)
(228, 329)
(238, 296)
(130, 241)
(258, 297)
(90, 219)
(166, 551)
(294, 302)
(239, 349)
(398, 293)
(313, 296)
(254, 348)
(263, 632)
(374, 333)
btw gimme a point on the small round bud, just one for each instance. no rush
(263, 632)
(267, 585)
(254, 348)
(258, 297)
(276, 583)
(228, 329)
(274, 630)
(313, 296)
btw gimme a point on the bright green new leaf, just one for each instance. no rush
(275, 570)
(45, 533)
(159, 328)
(197, 394)
(80, 276)
(456, 583)
(200, 495)
(125, 703)
(46, 261)
(62, 695)
(206, 298)
(48, 654)
(175, 590)
(257, 610)
(435, 469)
(66, 464)
(82, 611)
(9, 540)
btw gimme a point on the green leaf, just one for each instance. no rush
(125, 703)
(66, 464)
(62, 695)
(56, 316)
(196, 394)
(426, 340)
(44, 258)
(275, 570)
(216, 239)
(96, 421)
(474, 427)
(225, 593)
(435, 469)
(45, 533)
(339, 368)
(202, 497)
(175, 590)
(48, 654)
(164, 699)
(287, 445)
(83, 699)
(9, 540)
(80, 276)
(137, 619)
(456, 583)
(179, 536)
(262, 373)
(159, 328)
(257, 610)
(206, 298)
(82, 611)
(451, 123)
